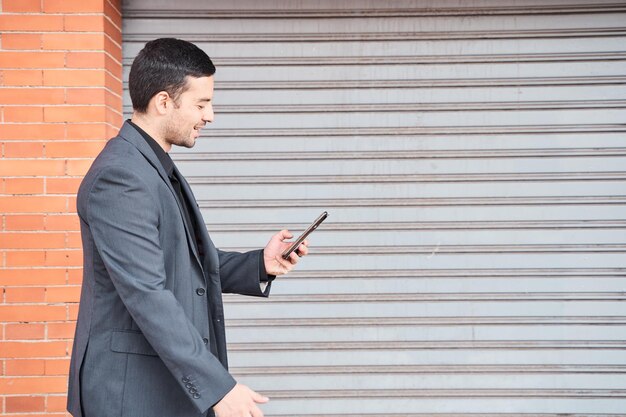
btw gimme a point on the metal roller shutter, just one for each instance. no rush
(471, 156)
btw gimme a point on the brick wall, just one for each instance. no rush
(60, 99)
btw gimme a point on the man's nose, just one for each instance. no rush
(208, 114)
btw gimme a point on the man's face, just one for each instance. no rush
(193, 109)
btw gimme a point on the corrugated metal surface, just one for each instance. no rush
(471, 155)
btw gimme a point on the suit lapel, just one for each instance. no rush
(210, 252)
(131, 135)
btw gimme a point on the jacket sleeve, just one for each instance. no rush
(244, 273)
(123, 216)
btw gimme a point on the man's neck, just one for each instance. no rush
(144, 123)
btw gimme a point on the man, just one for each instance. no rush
(150, 334)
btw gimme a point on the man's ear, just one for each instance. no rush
(160, 102)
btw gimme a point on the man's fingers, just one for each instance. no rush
(293, 258)
(284, 234)
(256, 412)
(303, 250)
(258, 398)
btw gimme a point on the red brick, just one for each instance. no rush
(61, 330)
(84, 23)
(26, 258)
(31, 59)
(49, 276)
(25, 331)
(23, 149)
(25, 6)
(86, 60)
(64, 185)
(25, 367)
(58, 149)
(71, 204)
(56, 403)
(88, 131)
(73, 6)
(112, 10)
(73, 240)
(63, 258)
(22, 77)
(72, 311)
(75, 276)
(112, 31)
(24, 222)
(23, 185)
(114, 101)
(114, 117)
(24, 295)
(68, 294)
(113, 48)
(22, 131)
(94, 95)
(57, 367)
(37, 23)
(21, 41)
(74, 78)
(112, 81)
(27, 167)
(28, 350)
(47, 96)
(33, 385)
(62, 221)
(14, 114)
(25, 404)
(78, 166)
(34, 204)
(74, 113)
(73, 41)
(29, 240)
(19, 313)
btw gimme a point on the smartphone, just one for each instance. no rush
(303, 236)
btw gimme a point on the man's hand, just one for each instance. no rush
(274, 262)
(241, 401)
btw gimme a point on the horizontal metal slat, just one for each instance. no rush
(456, 249)
(418, 297)
(439, 344)
(401, 154)
(619, 273)
(415, 202)
(245, 61)
(456, 393)
(431, 369)
(133, 11)
(425, 321)
(408, 178)
(425, 225)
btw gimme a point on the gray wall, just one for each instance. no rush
(471, 156)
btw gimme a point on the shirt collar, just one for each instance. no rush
(164, 158)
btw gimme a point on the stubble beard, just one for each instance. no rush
(179, 137)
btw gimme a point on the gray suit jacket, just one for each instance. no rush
(149, 303)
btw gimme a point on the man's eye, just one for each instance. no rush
(201, 107)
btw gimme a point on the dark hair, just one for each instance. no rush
(162, 65)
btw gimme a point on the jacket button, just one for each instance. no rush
(206, 341)
(196, 396)
(200, 291)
